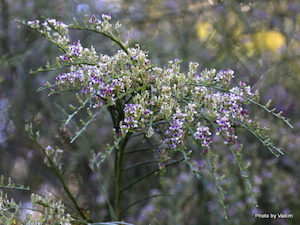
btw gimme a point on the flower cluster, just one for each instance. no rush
(134, 114)
(52, 213)
(149, 99)
(55, 31)
(176, 131)
(104, 25)
(76, 52)
(9, 209)
(203, 134)
(35, 24)
(224, 76)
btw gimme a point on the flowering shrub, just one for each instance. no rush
(179, 113)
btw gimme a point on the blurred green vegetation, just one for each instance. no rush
(259, 40)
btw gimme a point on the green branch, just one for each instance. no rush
(111, 37)
(58, 173)
(140, 164)
(118, 177)
(147, 175)
(147, 198)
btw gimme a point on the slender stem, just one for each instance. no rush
(61, 179)
(146, 198)
(111, 37)
(147, 175)
(119, 171)
(140, 150)
(140, 164)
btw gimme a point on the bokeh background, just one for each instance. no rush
(259, 40)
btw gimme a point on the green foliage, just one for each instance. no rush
(259, 40)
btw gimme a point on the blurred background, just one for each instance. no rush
(259, 40)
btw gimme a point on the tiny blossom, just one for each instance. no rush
(200, 91)
(93, 19)
(124, 128)
(49, 149)
(35, 24)
(46, 25)
(106, 17)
